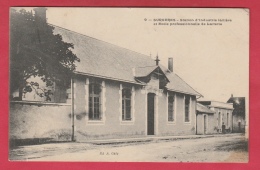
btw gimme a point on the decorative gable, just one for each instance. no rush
(152, 76)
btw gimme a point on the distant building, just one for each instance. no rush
(239, 121)
(222, 122)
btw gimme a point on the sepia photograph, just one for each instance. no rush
(121, 84)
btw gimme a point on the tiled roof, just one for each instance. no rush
(102, 59)
(217, 104)
(203, 109)
(144, 71)
(236, 100)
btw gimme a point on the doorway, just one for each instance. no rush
(205, 124)
(150, 114)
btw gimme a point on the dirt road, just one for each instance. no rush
(212, 149)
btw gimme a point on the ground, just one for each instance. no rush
(223, 148)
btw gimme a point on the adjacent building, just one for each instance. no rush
(222, 122)
(238, 115)
(205, 120)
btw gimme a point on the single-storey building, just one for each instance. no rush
(205, 120)
(222, 116)
(238, 114)
(122, 93)
(116, 93)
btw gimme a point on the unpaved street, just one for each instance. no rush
(211, 149)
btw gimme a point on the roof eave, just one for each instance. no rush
(109, 78)
(221, 107)
(198, 94)
(184, 92)
(206, 112)
(152, 72)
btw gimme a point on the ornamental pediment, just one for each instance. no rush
(153, 76)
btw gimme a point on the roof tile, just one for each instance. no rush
(99, 58)
(203, 109)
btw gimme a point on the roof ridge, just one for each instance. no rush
(145, 66)
(213, 101)
(236, 97)
(121, 58)
(99, 40)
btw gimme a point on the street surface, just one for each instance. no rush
(230, 148)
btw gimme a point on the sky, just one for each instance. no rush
(213, 59)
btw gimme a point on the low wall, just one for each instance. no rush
(39, 122)
(211, 127)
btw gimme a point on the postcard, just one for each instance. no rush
(129, 84)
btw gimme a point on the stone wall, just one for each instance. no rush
(42, 121)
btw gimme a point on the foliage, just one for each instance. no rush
(36, 51)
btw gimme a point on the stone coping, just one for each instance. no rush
(39, 103)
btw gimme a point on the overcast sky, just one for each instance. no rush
(214, 60)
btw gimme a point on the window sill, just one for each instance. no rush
(171, 122)
(39, 103)
(126, 122)
(95, 122)
(187, 123)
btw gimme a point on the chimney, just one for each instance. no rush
(232, 95)
(170, 64)
(157, 60)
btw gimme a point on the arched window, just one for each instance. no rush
(171, 108)
(94, 102)
(126, 104)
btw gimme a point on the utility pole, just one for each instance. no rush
(72, 109)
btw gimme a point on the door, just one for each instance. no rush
(205, 124)
(150, 114)
(227, 120)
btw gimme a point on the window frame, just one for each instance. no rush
(124, 106)
(187, 106)
(91, 101)
(172, 108)
(227, 119)
(132, 90)
(219, 120)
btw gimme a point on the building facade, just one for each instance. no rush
(121, 93)
(205, 120)
(223, 122)
(238, 115)
(115, 92)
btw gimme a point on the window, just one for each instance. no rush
(126, 104)
(187, 109)
(171, 108)
(227, 119)
(94, 102)
(219, 119)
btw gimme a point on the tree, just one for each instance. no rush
(36, 52)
